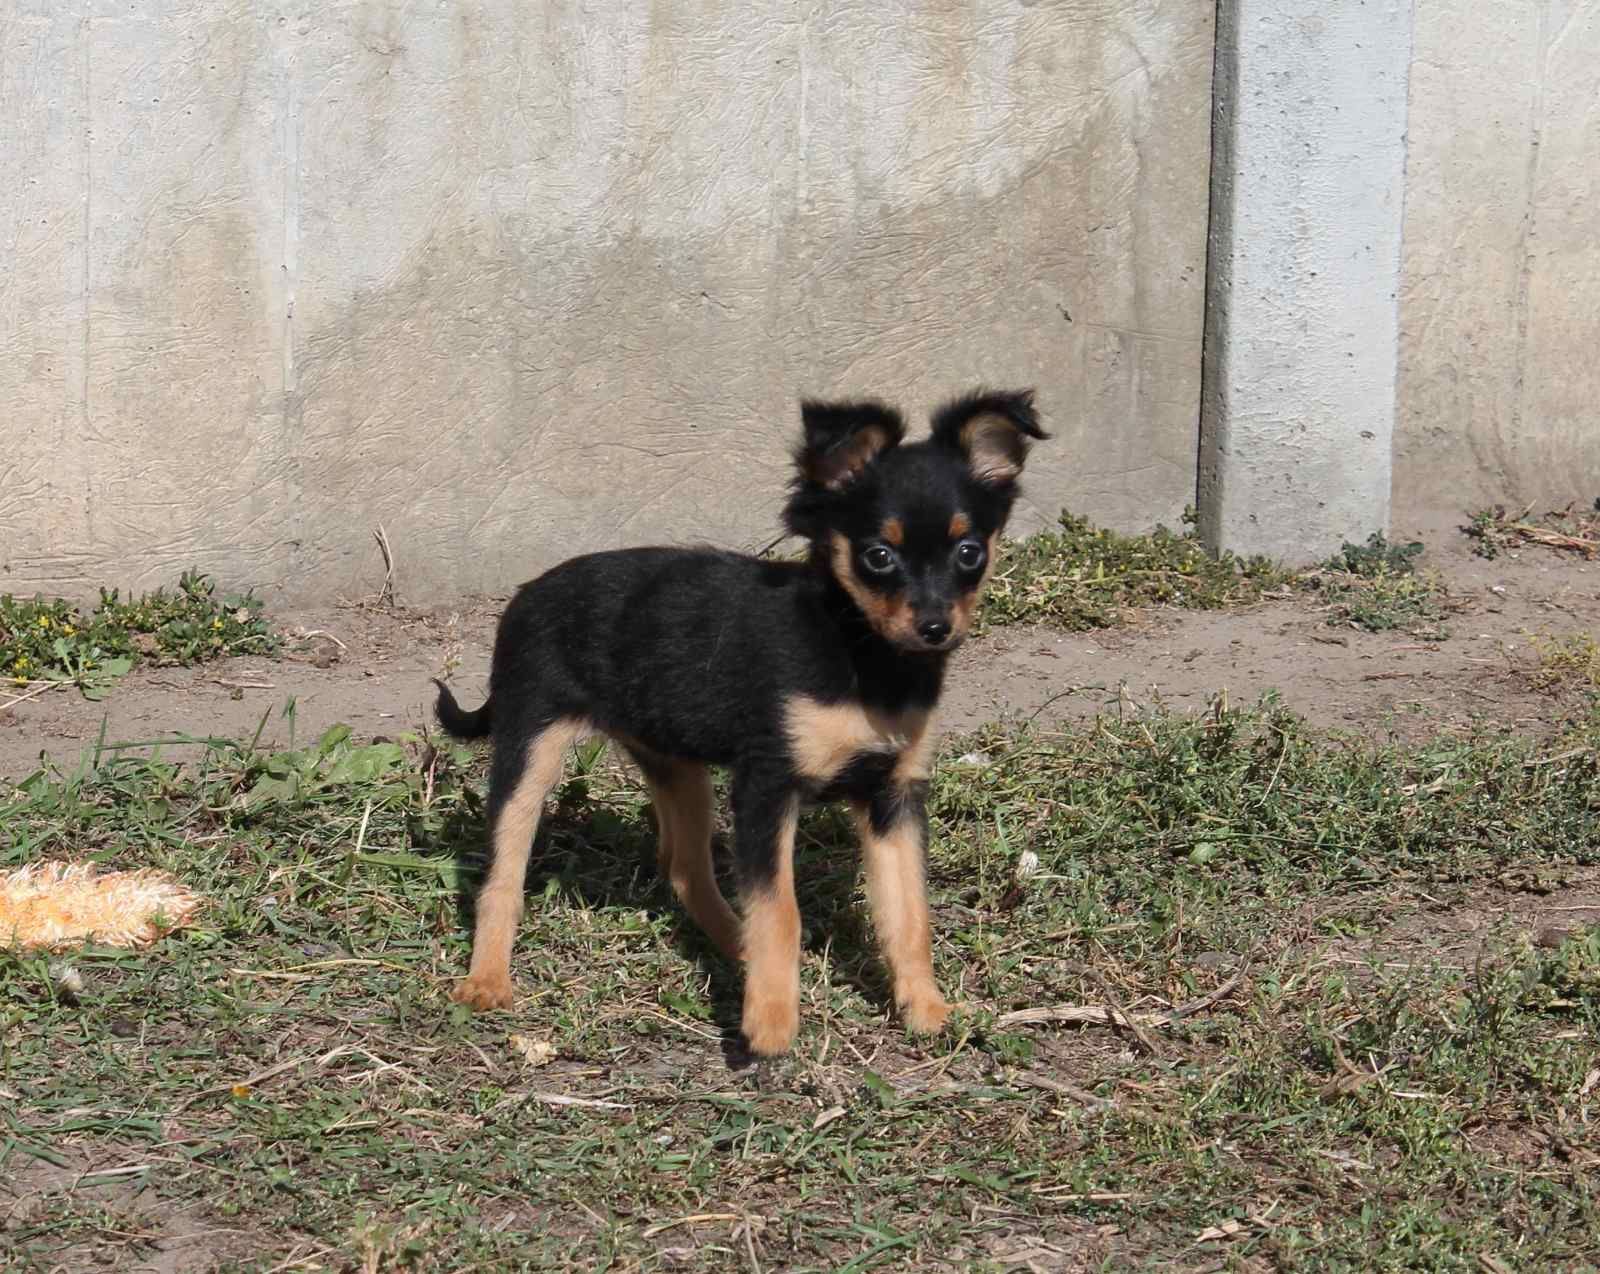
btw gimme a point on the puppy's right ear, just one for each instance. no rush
(842, 439)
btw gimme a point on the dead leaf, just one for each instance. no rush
(535, 1052)
(1226, 1230)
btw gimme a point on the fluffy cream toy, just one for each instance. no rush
(50, 906)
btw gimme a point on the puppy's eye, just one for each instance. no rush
(969, 555)
(878, 560)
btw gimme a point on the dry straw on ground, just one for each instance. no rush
(54, 905)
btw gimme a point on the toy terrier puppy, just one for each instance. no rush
(810, 681)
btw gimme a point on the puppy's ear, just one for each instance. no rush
(842, 439)
(991, 429)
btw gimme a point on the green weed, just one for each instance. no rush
(48, 639)
(1377, 588)
(1571, 658)
(1082, 576)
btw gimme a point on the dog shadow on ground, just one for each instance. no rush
(604, 856)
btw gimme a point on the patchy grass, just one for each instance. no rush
(1081, 576)
(1573, 529)
(1377, 587)
(1572, 659)
(48, 641)
(289, 1082)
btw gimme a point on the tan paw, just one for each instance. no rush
(770, 1027)
(923, 1010)
(483, 993)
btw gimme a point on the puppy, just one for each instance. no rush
(810, 681)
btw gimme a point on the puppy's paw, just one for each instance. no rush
(923, 1010)
(770, 1026)
(482, 994)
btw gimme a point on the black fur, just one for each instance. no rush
(698, 655)
(456, 719)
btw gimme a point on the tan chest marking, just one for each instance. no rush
(826, 737)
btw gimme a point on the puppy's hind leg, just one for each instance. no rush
(681, 792)
(524, 769)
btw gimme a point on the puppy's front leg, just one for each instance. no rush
(765, 813)
(894, 837)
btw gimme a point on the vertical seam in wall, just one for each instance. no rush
(1525, 252)
(803, 128)
(291, 242)
(85, 418)
(1400, 258)
(1219, 227)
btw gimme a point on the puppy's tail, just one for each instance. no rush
(455, 719)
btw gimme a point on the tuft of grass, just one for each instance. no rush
(1366, 1085)
(1567, 660)
(1376, 559)
(1081, 576)
(50, 640)
(1573, 529)
(1377, 587)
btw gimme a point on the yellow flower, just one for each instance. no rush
(44, 621)
(216, 623)
(69, 630)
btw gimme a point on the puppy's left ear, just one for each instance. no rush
(991, 428)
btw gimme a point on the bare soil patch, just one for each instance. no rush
(370, 667)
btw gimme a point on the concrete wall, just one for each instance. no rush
(518, 279)
(1499, 386)
(1306, 215)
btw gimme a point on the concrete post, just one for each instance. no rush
(1303, 278)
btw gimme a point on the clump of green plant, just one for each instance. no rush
(1081, 576)
(1570, 528)
(1376, 587)
(49, 639)
(1376, 558)
(1569, 976)
(1574, 657)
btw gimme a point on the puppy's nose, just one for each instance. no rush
(933, 631)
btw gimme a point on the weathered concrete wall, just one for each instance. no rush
(1499, 383)
(518, 279)
(1306, 205)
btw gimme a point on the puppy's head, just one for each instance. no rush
(909, 531)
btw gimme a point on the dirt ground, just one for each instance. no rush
(369, 666)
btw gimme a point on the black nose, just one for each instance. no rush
(933, 631)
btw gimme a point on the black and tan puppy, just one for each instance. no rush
(810, 681)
